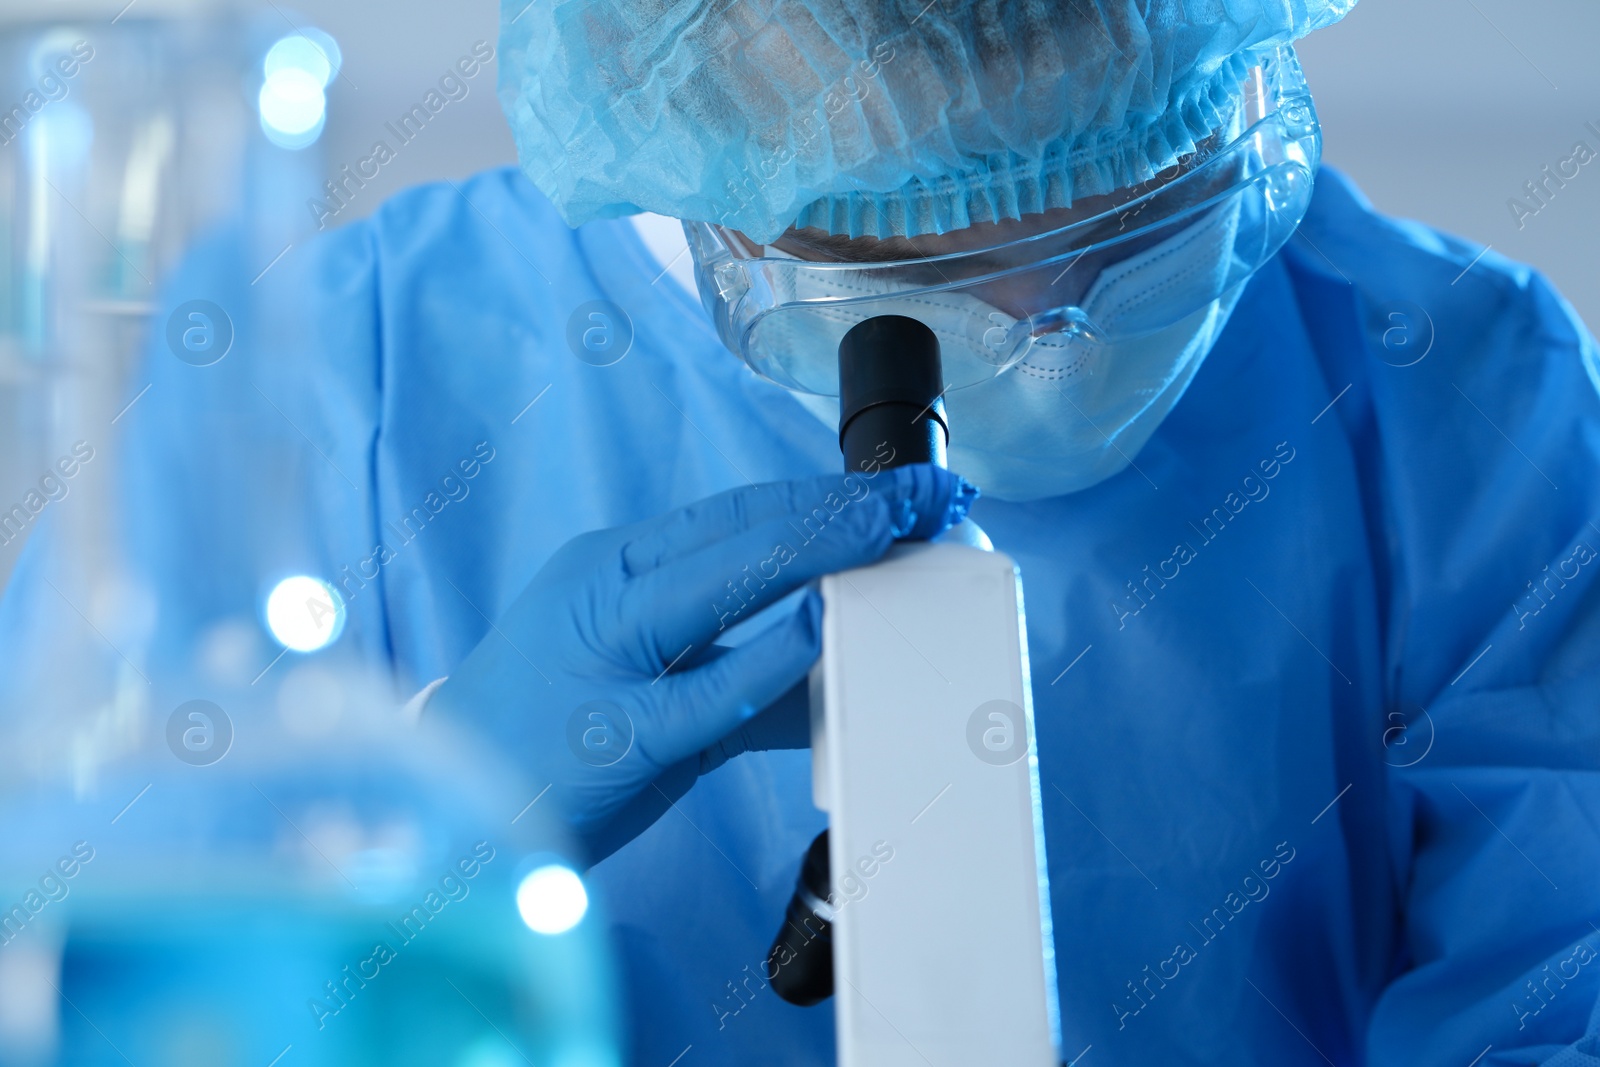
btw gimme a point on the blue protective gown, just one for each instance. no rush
(1317, 685)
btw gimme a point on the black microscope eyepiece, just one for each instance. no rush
(891, 394)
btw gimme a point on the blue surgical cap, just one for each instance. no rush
(870, 117)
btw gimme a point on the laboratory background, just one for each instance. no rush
(319, 856)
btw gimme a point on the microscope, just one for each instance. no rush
(924, 909)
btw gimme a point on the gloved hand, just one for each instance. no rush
(602, 674)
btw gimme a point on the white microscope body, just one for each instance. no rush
(924, 759)
(922, 743)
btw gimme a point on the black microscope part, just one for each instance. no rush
(800, 962)
(891, 395)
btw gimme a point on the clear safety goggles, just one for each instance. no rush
(784, 316)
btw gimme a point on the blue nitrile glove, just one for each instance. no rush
(602, 674)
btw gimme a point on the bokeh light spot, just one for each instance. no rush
(305, 614)
(311, 51)
(552, 900)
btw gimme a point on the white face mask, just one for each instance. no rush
(1073, 411)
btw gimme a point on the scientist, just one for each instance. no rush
(1315, 652)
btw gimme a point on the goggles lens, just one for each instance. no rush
(1191, 236)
